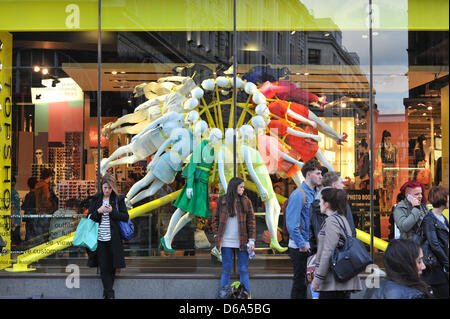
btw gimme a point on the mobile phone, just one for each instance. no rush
(409, 197)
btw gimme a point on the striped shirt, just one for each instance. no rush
(104, 229)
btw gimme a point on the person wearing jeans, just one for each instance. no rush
(297, 224)
(234, 230)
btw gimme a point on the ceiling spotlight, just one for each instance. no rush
(306, 73)
(364, 36)
(293, 32)
(45, 71)
(326, 34)
(343, 105)
(114, 72)
(375, 33)
(424, 114)
(429, 108)
(36, 68)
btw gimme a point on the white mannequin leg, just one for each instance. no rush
(156, 185)
(178, 220)
(136, 117)
(106, 162)
(324, 161)
(132, 129)
(324, 128)
(124, 160)
(272, 215)
(144, 182)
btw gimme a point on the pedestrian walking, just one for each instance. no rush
(333, 203)
(436, 241)
(108, 208)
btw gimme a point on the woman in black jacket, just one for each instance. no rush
(108, 208)
(435, 228)
(404, 266)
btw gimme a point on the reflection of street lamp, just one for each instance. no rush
(45, 71)
(36, 68)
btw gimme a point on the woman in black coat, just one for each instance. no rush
(435, 227)
(108, 209)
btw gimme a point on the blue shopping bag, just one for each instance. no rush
(86, 234)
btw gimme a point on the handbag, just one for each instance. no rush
(351, 259)
(126, 228)
(310, 268)
(86, 234)
(429, 258)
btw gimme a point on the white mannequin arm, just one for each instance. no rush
(221, 167)
(301, 134)
(292, 160)
(300, 118)
(252, 172)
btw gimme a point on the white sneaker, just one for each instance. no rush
(216, 253)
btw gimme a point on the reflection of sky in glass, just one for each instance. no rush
(390, 56)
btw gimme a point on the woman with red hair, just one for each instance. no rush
(409, 213)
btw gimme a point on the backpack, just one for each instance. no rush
(285, 231)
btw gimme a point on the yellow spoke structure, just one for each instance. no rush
(34, 254)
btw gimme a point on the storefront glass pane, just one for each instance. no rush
(313, 69)
(151, 81)
(410, 70)
(311, 56)
(50, 131)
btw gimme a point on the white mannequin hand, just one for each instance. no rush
(189, 193)
(263, 192)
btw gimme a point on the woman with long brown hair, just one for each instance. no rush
(108, 208)
(234, 229)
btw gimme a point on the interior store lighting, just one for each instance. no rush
(36, 68)
(45, 71)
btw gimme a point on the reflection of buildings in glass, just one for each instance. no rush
(425, 106)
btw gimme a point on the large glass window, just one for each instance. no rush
(165, 81)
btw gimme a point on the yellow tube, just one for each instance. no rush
(36, 253)
(362, 236)
(377, 242)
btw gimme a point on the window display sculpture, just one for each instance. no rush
(260, 175)
(194, 197)
(164, 96)
(146, 142)
(304, 144)
(279, 157)
(168, 160)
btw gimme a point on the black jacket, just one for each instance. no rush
(436, 234)
(120, 214)
(316, 219)
(391, 290)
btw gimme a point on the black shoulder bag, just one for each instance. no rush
(348, 261)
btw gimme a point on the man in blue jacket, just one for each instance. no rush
(297, 224)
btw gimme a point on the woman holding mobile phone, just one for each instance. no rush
(409, 213)
(108, 208)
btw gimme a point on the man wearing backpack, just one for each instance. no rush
(409, 213)
(297, 224)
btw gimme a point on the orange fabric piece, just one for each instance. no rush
(305, 147)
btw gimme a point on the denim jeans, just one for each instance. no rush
(227, 264)
(298, 259)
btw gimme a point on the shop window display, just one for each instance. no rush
(299, 95)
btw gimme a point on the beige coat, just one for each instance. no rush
(330, 235)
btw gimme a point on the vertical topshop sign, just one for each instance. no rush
(5, 145)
